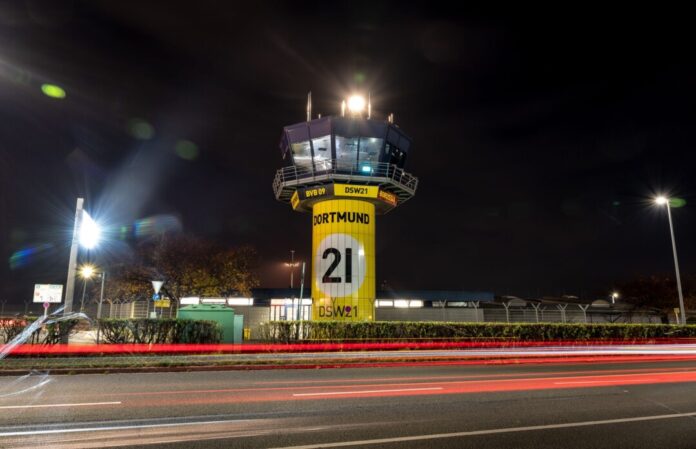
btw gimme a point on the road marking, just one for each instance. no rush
(79, 404)
(109, 428)
(367, 391)
(488, 431)
(605, 381)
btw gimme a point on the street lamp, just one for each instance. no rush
(86, 233)
(614, 297)
(292, 264)
(86, 273)
(664, 201)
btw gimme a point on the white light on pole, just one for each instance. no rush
(664, 201)
(90, 232)
(86, 233)
(356, 104)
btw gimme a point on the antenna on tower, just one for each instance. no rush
(309, 106)
(369, 105)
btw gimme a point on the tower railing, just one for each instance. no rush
(366, 172)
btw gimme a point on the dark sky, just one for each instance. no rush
(539, 136)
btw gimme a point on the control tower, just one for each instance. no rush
(344, 170)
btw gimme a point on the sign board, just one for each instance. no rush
(295, 200)
(163, 303)
(50, 293)
(157, 285)
(387, 197)
(356, 190)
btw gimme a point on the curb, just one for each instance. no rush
(369, 363)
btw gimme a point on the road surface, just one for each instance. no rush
(636, 405)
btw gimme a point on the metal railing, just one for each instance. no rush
(358, 172)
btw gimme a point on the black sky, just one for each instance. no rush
(539, 136)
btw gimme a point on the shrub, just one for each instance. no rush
(338, 331)
(153, 331)
(48, 334)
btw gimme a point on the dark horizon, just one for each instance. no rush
(538, 144)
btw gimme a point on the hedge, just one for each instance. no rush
(47, 334)
(159, 331)
(339, 331)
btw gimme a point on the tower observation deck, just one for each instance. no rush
(344, 170)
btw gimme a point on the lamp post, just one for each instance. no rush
(86, 233)
(664, 201)
(292, 264)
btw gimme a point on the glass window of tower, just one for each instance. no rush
(369, 149)
(346, 152)
(322, 152)
(302, 154)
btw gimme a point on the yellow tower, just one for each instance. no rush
(345, 170)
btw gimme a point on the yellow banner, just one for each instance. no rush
(343, 264)
(295, 200)
(356, 190)
(162, 303)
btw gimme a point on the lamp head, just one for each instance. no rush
(89, 232)
(87, 271)
(661, 200)
(356, 104)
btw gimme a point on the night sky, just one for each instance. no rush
(539, 137)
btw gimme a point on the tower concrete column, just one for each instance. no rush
(343, 260)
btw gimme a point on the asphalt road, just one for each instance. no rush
(636, 405)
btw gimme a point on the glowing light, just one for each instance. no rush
(87, 271)
(356, 104)
(90, 232)
(366, 169)
(661, 200)
(186, 149)
(140, 129)
(53, 91)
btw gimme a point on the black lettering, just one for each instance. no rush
(327, 278)
(349, 264)
(325, 217)
(341, 216)
(333, 217)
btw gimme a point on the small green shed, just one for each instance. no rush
(211, 312)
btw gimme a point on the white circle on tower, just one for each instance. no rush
(340, 265)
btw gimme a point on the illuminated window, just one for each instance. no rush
(302, 154)
(322, 153)
(369, 149)
(346, 153)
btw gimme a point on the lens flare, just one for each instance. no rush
(186, 149)
(53, 91)
(156, 225)
(140, 129)
(25, 256)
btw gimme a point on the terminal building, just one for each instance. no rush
(280, 304)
